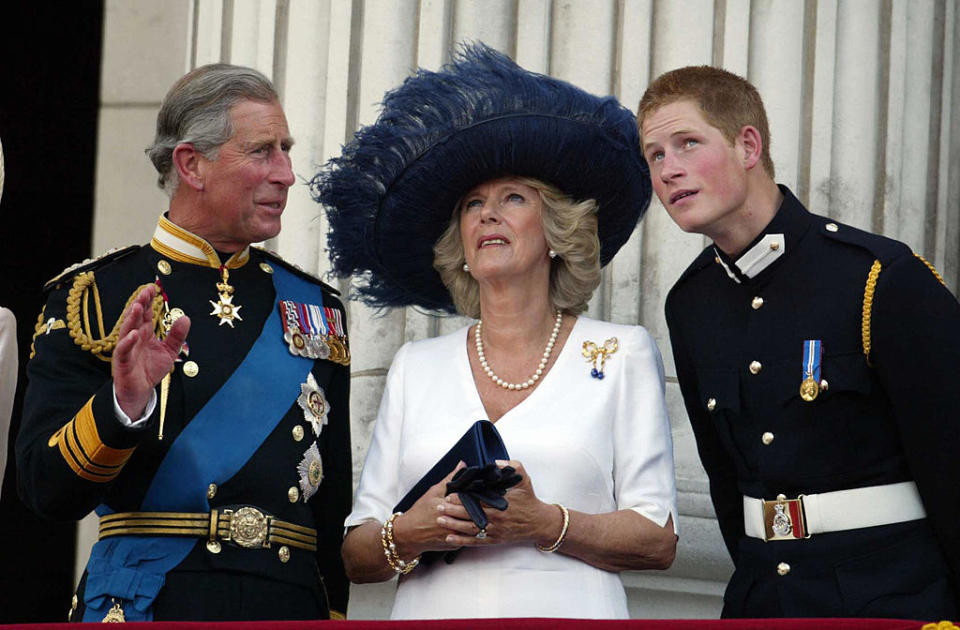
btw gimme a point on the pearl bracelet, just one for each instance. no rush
(563, 532)
(390, 548)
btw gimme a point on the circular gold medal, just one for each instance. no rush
(298, 341)
(336, 353)
(809, 389)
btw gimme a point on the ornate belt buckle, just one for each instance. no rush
(784, 519)
(249, 527)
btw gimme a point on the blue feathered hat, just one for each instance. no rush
(391, 193)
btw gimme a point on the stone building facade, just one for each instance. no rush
(863, 98)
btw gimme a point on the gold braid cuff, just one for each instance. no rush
(932, 269)
(868, 307)
(78, 300)
(83, 450)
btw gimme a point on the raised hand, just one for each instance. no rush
(140, 360)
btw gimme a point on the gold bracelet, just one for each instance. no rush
(390, 548)
(563, 532)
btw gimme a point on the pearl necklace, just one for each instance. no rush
(543, 360)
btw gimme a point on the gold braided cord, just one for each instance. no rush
(38, 328)
(96, 300)
(81, 333)
(868, 306)
(932, 269)
(86, 311)
(943, 625)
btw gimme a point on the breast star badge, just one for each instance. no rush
(311, 472)
(314, 403)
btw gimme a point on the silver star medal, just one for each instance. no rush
(314, 404)
(311, 472)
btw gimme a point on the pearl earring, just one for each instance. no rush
(466, 268)
(552, 254)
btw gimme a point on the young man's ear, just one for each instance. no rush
(749, 138)
(186, 159)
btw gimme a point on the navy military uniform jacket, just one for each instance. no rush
(887, 412)
(64, 474)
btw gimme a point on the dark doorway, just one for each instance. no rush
(49, 102)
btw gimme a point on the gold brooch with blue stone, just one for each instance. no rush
(597, 355)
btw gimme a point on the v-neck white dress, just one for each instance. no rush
(593, 445)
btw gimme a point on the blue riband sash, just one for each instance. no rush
(237, 419)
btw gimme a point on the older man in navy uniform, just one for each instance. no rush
(219, 460)
(818, 365)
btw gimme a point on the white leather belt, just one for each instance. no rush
(793, 519)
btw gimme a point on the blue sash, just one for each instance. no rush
(238, 418)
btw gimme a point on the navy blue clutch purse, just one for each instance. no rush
(482, 481)
(480, 445)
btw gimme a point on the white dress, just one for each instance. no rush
(593, 445)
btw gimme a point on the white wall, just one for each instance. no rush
(863, 98)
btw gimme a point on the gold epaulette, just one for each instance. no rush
(83, 450)
(868, 299)
(78, 308)
(89, 264)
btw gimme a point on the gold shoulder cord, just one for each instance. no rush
(38, 328)
(78, 299)
(932, 269)
(868, 306)
(868, 299)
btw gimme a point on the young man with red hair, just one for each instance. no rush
(817, 364)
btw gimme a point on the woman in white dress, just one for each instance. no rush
(455, 173)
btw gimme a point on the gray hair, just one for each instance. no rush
(196, 111)
(570, 229)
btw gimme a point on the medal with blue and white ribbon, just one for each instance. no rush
(810, 386)
(304, 329)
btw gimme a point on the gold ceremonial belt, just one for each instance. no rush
(246, 527)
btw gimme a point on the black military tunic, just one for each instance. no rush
(64, 475)
(884, 415)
